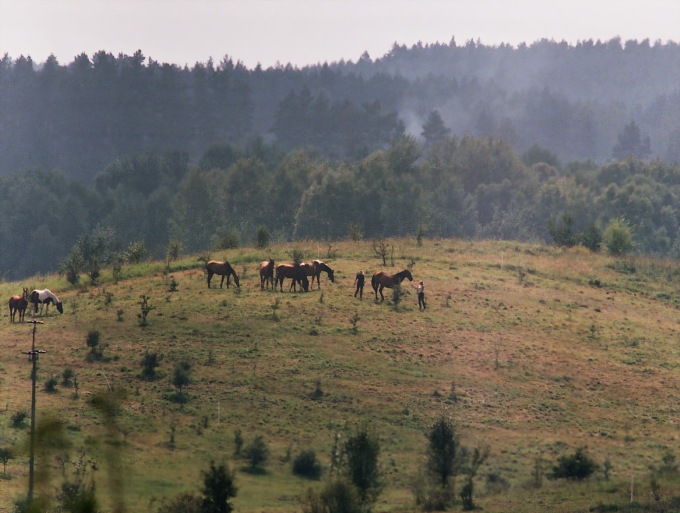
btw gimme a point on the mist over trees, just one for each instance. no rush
(574, 100)
(443, 140)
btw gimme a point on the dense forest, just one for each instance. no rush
(542, 142)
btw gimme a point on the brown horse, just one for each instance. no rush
(267, 273)
(314, 271)
(318, 266)
(294, 271)
(381, 280)
(18, 304)
(221, 269)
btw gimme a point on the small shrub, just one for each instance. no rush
(669, 465)
(17, 420)
(181, 379)
(397, 294)
(578, 466)
(355, 232)
(117, 267)
(96, 349)
(92, 339)
(150, 363)
(182, 503)
(136, 252)
(238, 442)
(317, 393)
(275, 307)
(561, 231)
(262, 237)
(67, 377)
(173, 250)
(354, 320)
(72, 266)
(94, 271)
(591, 238)
(144, 310)
(307, 465)
(338, 495)
(51, 385)
(495, 483)
(6, 454)
(228, 240)
(257, 453)
(618, 237)
(419, 235)
(297, 255)
(381, 249)
(434, 498)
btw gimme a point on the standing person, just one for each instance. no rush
(359, 282)
(421, 296)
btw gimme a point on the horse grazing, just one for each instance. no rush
(294, 271)
(381, 280)
(317, 267)
(221, 269)
(44, 298)
(267, 273)
(18, 304)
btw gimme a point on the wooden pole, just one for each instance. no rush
(33, 357)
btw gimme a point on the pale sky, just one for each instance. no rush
(304, 32)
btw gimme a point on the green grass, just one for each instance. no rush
(538, 359)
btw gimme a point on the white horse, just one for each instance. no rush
(45, 297)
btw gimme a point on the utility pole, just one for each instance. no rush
(33, 357)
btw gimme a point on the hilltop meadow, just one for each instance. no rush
(534, 351)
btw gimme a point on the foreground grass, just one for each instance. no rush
(533, 350)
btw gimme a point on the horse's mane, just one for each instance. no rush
(403, 274)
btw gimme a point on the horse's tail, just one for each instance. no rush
(374, 282)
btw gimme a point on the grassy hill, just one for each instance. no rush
(534, 351)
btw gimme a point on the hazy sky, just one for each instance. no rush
(311, 31)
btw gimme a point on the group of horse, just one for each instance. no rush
(274, 275)
(42, 297)
(300, 274)
(269, 274)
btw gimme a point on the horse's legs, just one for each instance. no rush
(382, 298)
(222, 281)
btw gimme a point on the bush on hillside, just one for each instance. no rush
(578, 466)
(307, 465)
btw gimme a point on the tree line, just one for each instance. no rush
(464, 187)
(574, 100)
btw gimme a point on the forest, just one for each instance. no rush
(543, 142)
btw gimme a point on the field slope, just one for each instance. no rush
(533, 350)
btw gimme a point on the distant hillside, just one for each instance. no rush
(573, 100)
(533, 351)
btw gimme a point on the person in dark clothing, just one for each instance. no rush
(359, 282)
